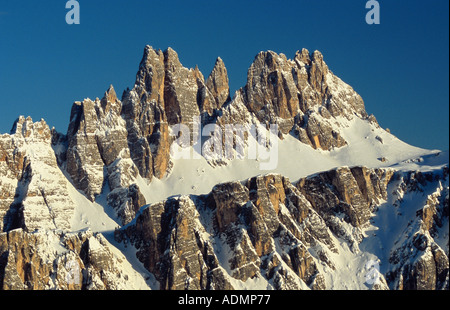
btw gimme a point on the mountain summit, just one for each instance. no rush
(112, 205)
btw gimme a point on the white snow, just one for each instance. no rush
(138, 277)
(295, 160)
(96, 216)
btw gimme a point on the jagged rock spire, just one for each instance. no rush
(218, 83)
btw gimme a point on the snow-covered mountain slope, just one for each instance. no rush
(336, 202)
(295, 160)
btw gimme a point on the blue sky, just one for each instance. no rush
(400, 67)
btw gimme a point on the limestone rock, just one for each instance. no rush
(33, 188)
(352, 191)
(50, 260)
(84, 163)
(98, 151)
(271, 93)
(265, 222)
(171, 243)
(301, 95)
(180, 90)
(217, 84)
(418, 261)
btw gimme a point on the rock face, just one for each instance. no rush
(51, 260)
(350, 192)
(265, 228)
(98, 152)
(33, 188)
(180, 90)
(283, 235)
(184, 240)
(302, 95)
(420, 260)
(217, 84)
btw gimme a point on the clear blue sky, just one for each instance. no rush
(400, 67)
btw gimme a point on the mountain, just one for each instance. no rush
(286, 184)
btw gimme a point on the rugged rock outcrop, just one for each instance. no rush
(302, 95)
(283, 235)
(420, 257)
(351, 192)
(217, 84)
(48, 260)
(180, 90)
(263, 228)
(98, 153)
(32, 187)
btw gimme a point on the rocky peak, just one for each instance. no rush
(84, 162)
(49, 260)
(150, 76)
(318, 72)
(33, 188)
(301, 95)
(110, 100)
(98, 152)
(26, 128)
(317, 58)
(217, 84)
(303, 57)
(271, 93)
(171, 60)
(180, 91)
